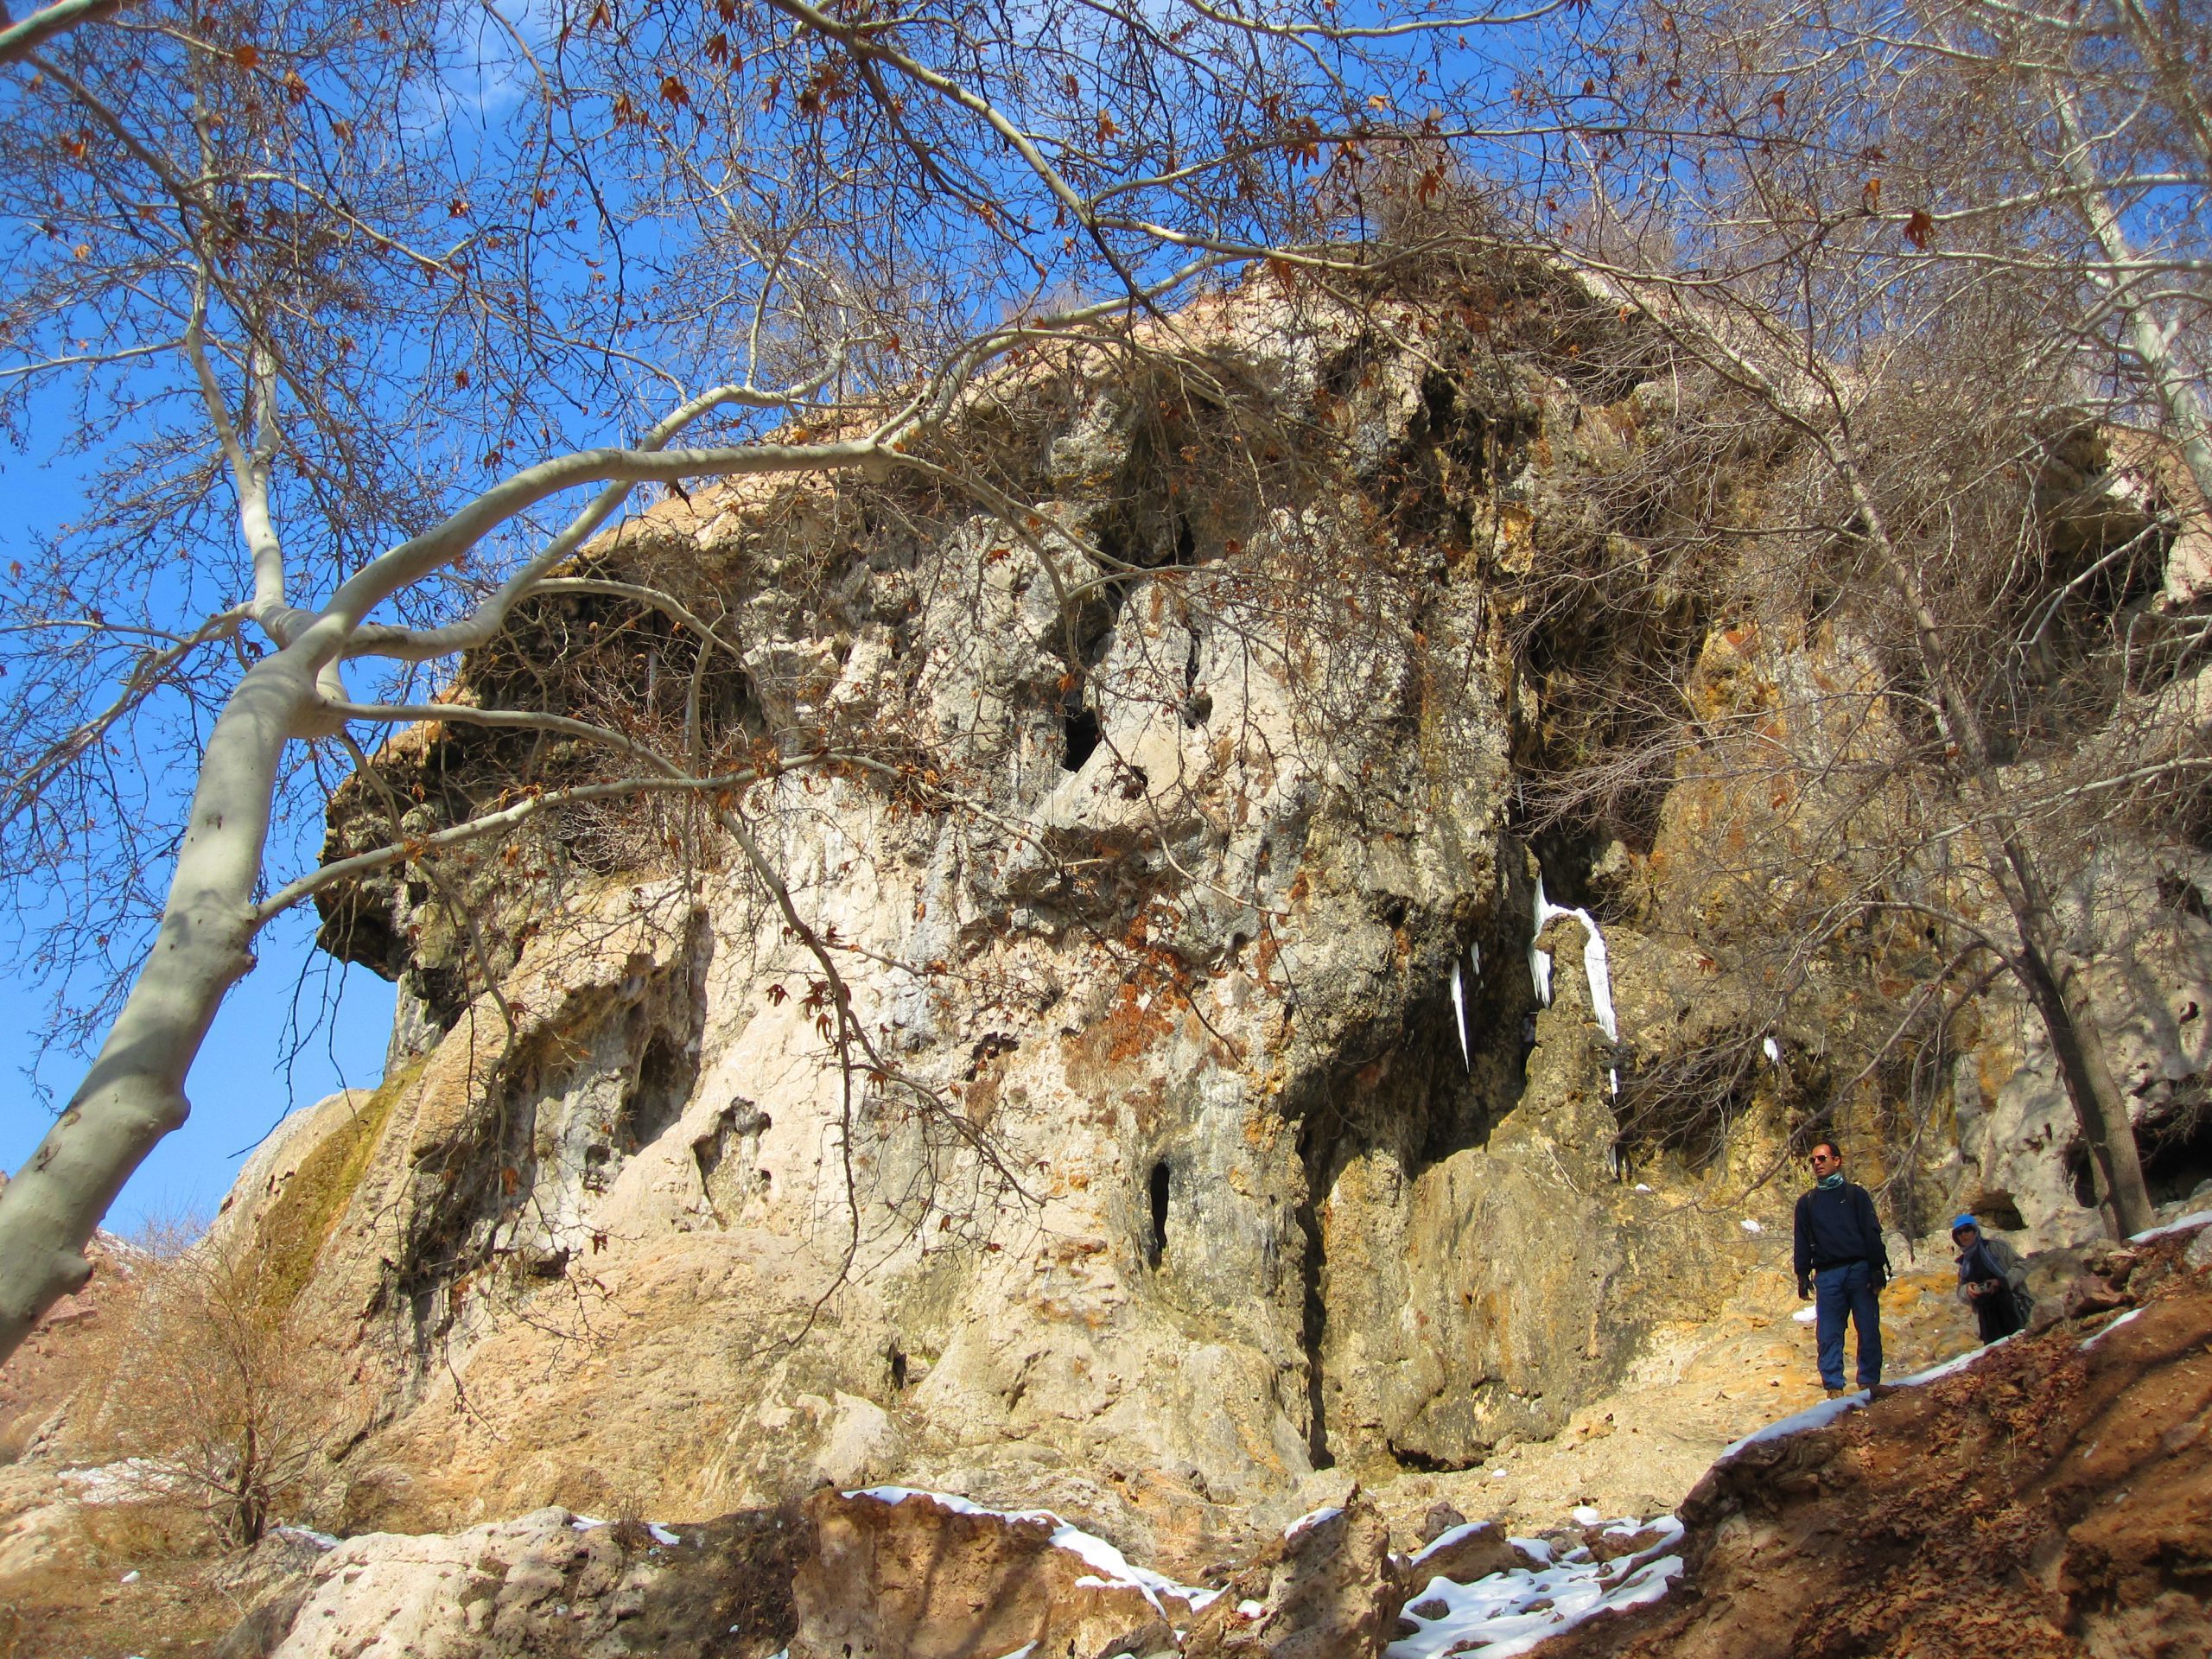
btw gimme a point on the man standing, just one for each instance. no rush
(1840, 1251)
(1993, 1279)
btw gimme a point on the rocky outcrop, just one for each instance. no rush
(545, 1583)
(2048, 1500)
(908, 1575)
(1330, 1586)
(1220, 1142)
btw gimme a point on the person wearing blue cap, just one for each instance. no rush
(1993, 1279)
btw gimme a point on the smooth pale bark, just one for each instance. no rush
(20, 39)
(2149, 339)
(134, 1093)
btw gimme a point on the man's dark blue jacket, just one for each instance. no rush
(1837, 1224)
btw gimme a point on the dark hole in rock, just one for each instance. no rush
(1158, 1247)
(2177, 1153)
(2083, 1173)
(1997, 1212)
(1081, 729)
(897, 1369)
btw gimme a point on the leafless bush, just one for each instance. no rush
(216, 1389)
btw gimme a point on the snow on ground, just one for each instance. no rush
(2179, 1225)
(1821, 1415)
(2091, 1342)
(1109, 1565)
(1312, 1518)
(118, 1483)
(1511, 1612)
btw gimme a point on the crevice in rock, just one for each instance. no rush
(1996, 1211)
(1156, 1248)
(1422, 1463)
(1079, 729)
(1314, 1328)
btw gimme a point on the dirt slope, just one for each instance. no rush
(2053, 1499)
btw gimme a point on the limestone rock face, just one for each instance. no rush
(1213, 1136)
(545, 1583)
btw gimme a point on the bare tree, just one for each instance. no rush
(1941, 257)
(312, 287)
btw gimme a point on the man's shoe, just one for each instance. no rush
(1837, 1394)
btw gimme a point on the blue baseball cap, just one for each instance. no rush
(1966, 1221)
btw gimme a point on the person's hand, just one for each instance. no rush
(1805, 1289)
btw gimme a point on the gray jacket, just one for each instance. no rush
(2006, 1260)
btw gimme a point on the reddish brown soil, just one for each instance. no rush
(2052, 1500)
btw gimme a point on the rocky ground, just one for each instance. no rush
(2050, 1500)
(2052, 1491)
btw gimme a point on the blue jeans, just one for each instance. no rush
(1848, 1292)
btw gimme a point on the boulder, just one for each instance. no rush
(1327, 1589)
(909, 1575)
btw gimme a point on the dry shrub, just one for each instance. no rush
(217, 1389)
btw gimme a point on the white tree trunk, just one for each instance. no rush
(134, 1093)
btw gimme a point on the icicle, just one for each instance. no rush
(1594, 963)
(1773, 1051)
(1475, 956)
(1460, 1017)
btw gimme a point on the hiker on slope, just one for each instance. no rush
(1993, 1279)
(1842, 1256)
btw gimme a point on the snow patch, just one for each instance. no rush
(307, 1536)
(1773, 1050)
(1112, 1569)
(1750, 1226)
(1511, 1612)
(1799, 1422)
(1585, 1515)
(1806, 1315)
(662, 1534)
(1952, 1366)
(1593, 963)
(2181, 1225)
(2132, 1314)
(1312, 1518)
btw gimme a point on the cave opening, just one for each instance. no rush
(1079, 726)
(1156, 1248)
(1996, 1211)
(2178, 1153)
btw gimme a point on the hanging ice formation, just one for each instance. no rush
(1593, 964)
(1773, 1050)
(1459, 1016)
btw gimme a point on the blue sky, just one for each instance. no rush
(276, 1045)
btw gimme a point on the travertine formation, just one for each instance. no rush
(1218, 1144)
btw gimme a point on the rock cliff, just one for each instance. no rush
(1156, 794)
